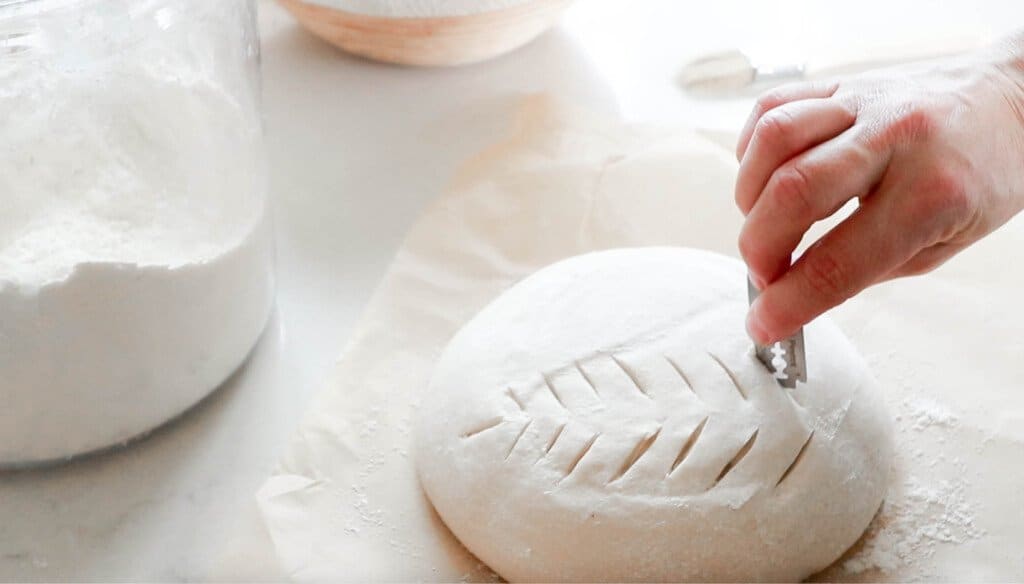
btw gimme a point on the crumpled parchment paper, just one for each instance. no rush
(948, 349)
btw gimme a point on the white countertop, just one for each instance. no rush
(356, 150)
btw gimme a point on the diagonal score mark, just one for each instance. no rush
(631, 375)
(738, 457)
(554, 393)
(687, 447)
(515, 398)
(579, 457)
(732, 376)
(586, 378)
(551, 443)
(796, 460)
(558, 434)
(638, 452)
(489, 424)
(519, 437)
(682, 374)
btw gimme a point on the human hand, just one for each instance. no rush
(934, 152)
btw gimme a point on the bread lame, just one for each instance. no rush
(785, 359)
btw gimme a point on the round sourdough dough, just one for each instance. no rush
(606, 419)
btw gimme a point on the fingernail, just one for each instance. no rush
(755, 328)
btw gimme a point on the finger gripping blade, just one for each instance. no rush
(786, 359)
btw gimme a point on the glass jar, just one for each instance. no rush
(136, 253)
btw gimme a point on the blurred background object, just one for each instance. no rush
(733, 71)
(427, 33)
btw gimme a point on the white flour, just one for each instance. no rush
(913, 524)
(918, 515)
(135, 248)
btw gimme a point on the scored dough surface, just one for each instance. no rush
(606, 420)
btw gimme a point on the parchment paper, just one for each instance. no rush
(345, 504)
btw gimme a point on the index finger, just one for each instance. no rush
(807, 189)
(776, 97)
(846, 260)
(782, 134)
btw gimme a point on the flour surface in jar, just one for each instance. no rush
(606, 420)
(135, 244)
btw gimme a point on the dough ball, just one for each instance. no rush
(607, 420)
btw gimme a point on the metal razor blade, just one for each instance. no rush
(786, 359)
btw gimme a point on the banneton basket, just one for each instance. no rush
(424, 38)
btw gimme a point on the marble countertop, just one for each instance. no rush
(356, 150)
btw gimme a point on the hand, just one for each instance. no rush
(935, 154)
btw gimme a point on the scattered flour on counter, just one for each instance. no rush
(917, 517)
(910, 527)
(921, 413)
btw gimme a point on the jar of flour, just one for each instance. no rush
(135, 244)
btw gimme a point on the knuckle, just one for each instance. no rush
(826, 275)
(944, 201)
(850, 108)
(909, 123)
(859, 155)
(775, 126)
(913, 123)
(952, 195)
(767, 101)
(926, 261)
(790, 189)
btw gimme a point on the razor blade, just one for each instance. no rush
(786, 359)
